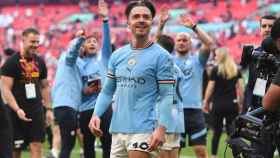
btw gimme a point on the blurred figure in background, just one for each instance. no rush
(170, 149)
(66, 94)
(93, 65)
(192, 66)
(225, 82)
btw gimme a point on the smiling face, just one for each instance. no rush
(90, 46)
(30, 43)
(140, 21)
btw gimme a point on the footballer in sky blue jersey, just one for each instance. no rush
(177, 123)
(170, 149)
(192, 66)
(137, 74)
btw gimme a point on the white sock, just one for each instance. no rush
(55, 152)
(81, 151)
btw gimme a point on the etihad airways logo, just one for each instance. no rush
(130, 82)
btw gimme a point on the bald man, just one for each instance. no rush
(192, 65)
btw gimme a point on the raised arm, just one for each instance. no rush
(163, 18)
(74, 48)
(106, 44)
(208, 42)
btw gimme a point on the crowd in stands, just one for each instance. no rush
(56, 22)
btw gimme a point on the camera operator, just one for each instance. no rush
(263, 65)
(247, 61)
(271, 100)
(260, 76)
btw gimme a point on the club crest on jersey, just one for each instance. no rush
(131, 62)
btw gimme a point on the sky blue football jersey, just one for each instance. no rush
(191, 83)
(136, 76)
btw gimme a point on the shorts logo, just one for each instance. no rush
(142, 145)
(72, 133)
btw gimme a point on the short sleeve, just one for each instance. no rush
(276, 79)
(44, 70)
(165, 69)
(239, 74)
(214, 74)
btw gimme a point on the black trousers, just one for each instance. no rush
(66, 118)
(217, 125)
(89, 138)
(6, 139)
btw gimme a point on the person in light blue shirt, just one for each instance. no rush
(66, 95)
(93, 68)
(137, 74)
(192, 66)
(170, 149)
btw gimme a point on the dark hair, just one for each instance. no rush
(269, 17)
(29, 31)
(9, 51)
(144, 3)
(275, 30)
(166, 42)
(91, 36)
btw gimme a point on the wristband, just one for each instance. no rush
(49, 108)
(106, 19)
(194, 27)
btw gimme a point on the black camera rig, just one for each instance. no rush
(247, 127)
(251, 127)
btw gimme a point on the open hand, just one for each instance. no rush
(103, 9)
(164, 15)
(21, 114)
(157, 139)
(80, 33)
(94, 126)
(186, 21)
